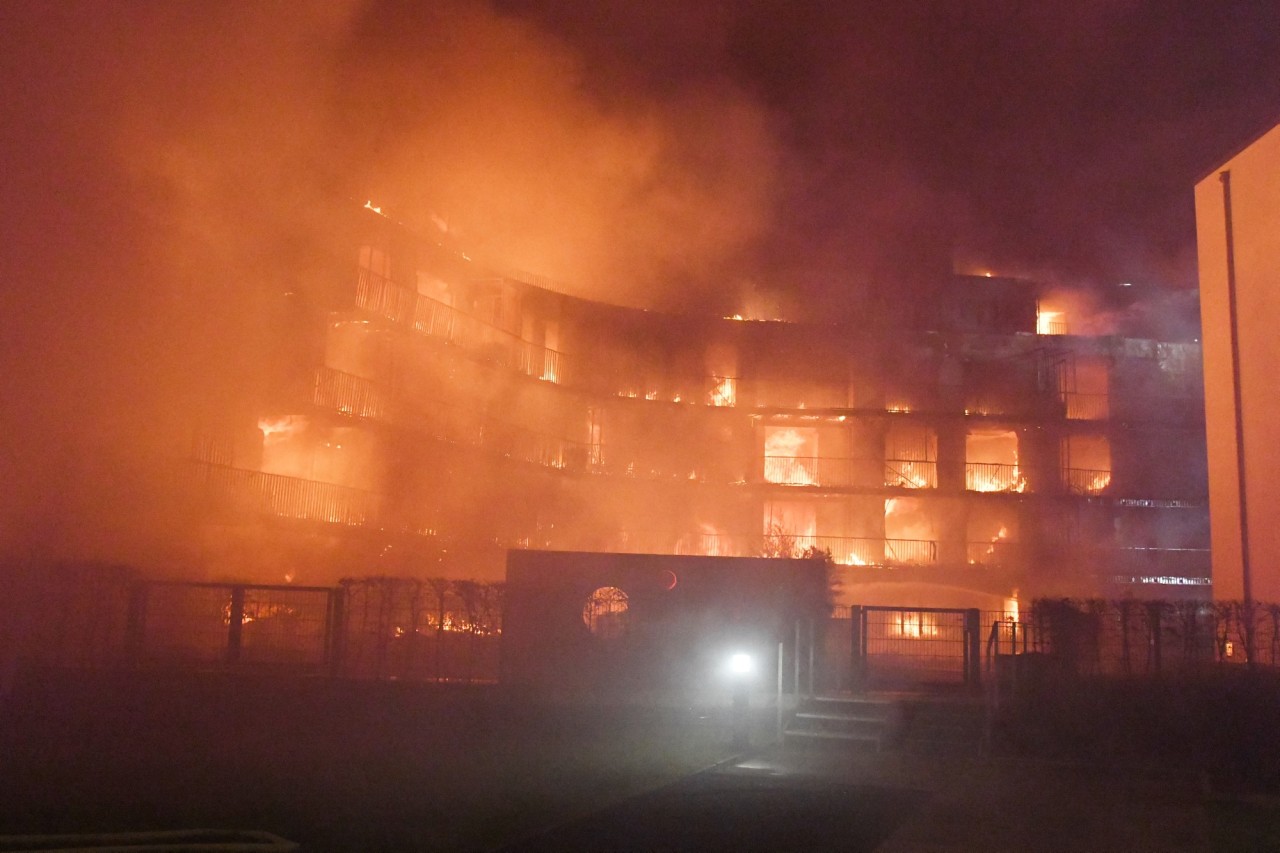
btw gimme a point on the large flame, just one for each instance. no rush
(274, 429)
(783, 462)
(1051, 322)
(1098, 482)
(724, 393)
(995, 478)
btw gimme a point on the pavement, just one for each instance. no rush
(842, 798)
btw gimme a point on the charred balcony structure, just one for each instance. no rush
(428, 415)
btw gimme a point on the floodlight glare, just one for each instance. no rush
(741, 664)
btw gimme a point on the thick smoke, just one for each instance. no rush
(171, 165)
(489, 126)
(166, 165)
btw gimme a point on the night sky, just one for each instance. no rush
(162, 163)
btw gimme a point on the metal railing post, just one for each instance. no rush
(334, 645)
(858, 648)
(235, 624)
(777, 701)
(795, 654)
(812, 637)
(973, 647)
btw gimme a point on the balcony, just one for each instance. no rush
(1152, 564)
(359, 397)
(997, 553)
(846, 550)
(993, 477)
(348, 394)
(808, 471)
(911, 473)
(242, 490)
(1085, 481)
(1087, 407)
(426, 316)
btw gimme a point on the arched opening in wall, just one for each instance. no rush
(1086, 464)
(606, 612)
(991, 461)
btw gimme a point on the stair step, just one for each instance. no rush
(844, 718)
(861, 738)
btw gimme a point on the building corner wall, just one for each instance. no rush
(1255, 252)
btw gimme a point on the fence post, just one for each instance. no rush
(777, 699)
(1155, 625)
(795, 654)
(973, 648)
(235, 624)
(334, 629)
(812, 639)
(858, 649)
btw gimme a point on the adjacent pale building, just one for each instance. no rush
(1238, 238)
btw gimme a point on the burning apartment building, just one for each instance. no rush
(428, 414)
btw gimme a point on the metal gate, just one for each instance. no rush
(915, 647)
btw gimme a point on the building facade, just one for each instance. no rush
(428, 415)
(1238, 243)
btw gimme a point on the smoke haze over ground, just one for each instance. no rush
(165, 164)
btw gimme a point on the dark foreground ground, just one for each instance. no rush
(361, 766)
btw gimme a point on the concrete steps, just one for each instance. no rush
(933, 725)
(868, 722)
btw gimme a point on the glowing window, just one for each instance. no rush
(791, 456)
(911, 457)
(1086, 464)
(605, 613)
(991, 462)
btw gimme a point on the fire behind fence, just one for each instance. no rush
(388, 628)
(441, 630)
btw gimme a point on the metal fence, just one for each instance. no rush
(432, 630)
(213, 623)
(92, 617)
(256, 492)
(868, 647)
(1143, 637)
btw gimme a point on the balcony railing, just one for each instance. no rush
(993, 477)
(433, 319)
(1085, 481)
(1087, 407)
(846, 550)
(911, 473)
(715, 390)
(354, 395)
(347, 393)
(288, 497)
(996, 553)
(1152, 562)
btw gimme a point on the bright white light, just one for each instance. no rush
(741, 664)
